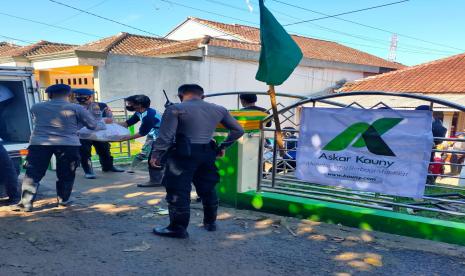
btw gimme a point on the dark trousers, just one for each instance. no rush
(103, 151)
(8, 175)
(38, 160)
(199, 168)
(156, 174)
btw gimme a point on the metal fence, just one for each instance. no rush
(444, 197)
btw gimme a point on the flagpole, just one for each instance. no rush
(274, 108)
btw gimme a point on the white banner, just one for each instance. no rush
(382, 150)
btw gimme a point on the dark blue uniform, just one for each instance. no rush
(185, 141)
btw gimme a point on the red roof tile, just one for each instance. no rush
(193, 44)
(5, 47)
(124, 44)
(311, 48)
(41, 47)
(439, 76)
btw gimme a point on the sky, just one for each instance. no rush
(426, 29)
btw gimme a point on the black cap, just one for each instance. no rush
(249, 97)
(423, 107)
(83, 92)
(62, 89)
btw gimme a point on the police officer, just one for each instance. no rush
(191, 159)
(150, 124)
(100, 111)
(56, 124)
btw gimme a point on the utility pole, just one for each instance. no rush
(393, 49)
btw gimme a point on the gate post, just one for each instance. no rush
(238, 168)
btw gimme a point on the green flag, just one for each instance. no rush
(279, 55)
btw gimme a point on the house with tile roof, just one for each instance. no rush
(221, 57)
(443, 79)
(14, 55)
(6, 47)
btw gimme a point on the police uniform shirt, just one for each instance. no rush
(196, 120)
(150, 122)
(57, 122)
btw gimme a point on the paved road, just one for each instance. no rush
(107, 232)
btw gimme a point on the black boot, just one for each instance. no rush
(64, 189)
(179, 220)
(88, 169)
(25, 205)
(209, 217)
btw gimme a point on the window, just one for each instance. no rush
(80, 81)
(85, 81)
(56, 81)
(74, 81)
(69, 81)
(61, 81)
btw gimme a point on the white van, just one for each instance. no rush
(19, 86)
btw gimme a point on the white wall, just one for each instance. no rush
(122, 76)
(447, 122)
(191, 29)
(55, 63)
(16, 64)
(221, 74)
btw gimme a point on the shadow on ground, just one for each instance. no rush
(107, 231)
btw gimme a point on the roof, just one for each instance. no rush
(395, 102)
(39, 48)
(311, 48)
(439, 76)
(5, 47)
(193, 44)
(124, 44)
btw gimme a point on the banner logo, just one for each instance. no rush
(369, 136)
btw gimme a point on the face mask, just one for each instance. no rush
(130, 108)
(82, 99)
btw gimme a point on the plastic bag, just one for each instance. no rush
(112, 132)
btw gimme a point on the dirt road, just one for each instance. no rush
(107, 231)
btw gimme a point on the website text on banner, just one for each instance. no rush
(385, 151)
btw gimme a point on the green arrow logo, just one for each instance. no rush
(369, 136)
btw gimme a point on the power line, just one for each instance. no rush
(17, 39)
(227, 5)
(205, 11)
(74, 15)
(404, 45)
(49, 25)
(79, 13)
(349, 12)
(368, 26)
(407, 50)
(104, 18)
